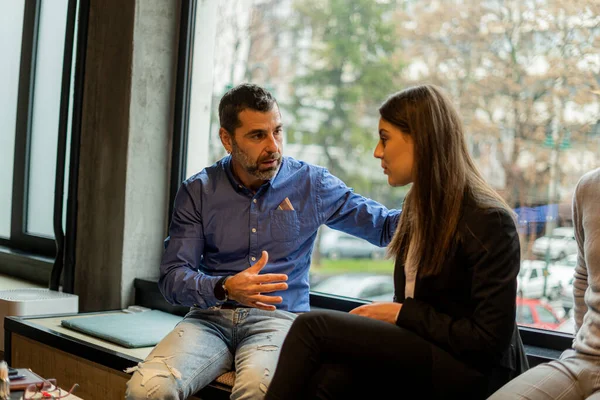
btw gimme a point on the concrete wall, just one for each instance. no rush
(125, 147)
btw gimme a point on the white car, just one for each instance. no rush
(535, 281)
(359, 286)
(559, 244)
(564, 269)
(337, 244)
(567, 326)
(568, 263)
(566, 296)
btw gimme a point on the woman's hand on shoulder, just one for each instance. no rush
(382, 311)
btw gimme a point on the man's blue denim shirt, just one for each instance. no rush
(219, 227)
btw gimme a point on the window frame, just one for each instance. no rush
(183, 87)
(548, 340)
(26, 255)
(19, 238)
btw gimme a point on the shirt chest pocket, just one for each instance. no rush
(285, 226)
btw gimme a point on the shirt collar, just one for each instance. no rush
(228, 168)
(282, 174)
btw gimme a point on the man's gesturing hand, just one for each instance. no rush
(248, 287)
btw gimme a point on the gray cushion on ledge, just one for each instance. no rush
(128, 330)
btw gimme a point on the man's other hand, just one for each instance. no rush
(248, 287)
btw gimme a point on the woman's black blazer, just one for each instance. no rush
(469, 308)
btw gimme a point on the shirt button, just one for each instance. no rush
(253, 258)
(253, 230)
(254, 201)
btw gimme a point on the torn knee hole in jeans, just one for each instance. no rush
(152, 391)
(148, 371)
(268, 347)
(262, 386)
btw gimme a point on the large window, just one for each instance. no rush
(11, 24)
(45, 112)
(31, 77)
(524, 74)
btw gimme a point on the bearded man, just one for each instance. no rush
(239, 251)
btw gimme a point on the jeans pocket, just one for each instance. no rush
(196, 312)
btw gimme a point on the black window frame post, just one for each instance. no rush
(183, 87)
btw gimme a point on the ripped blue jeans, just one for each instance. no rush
(208, 343)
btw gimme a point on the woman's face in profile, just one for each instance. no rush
(395, 149)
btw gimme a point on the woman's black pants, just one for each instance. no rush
(335, 355)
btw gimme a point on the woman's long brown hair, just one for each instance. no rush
(444, 177)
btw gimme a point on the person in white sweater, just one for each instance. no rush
(576, 374)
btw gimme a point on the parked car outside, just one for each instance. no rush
(566, 296)
(535, 281)
(337, 244)
(358, 285)
(537, 313)
(566, 268)
(568, 325)
(559, 244)
(569, 262)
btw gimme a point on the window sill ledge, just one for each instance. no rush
(26, 268)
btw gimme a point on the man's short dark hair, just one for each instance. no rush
(239, 98)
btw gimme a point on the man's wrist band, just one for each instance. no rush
(220, 290)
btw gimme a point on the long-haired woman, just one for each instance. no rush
(450, 330)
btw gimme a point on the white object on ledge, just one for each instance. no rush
(34, 301)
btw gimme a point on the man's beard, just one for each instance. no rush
(252, 167)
